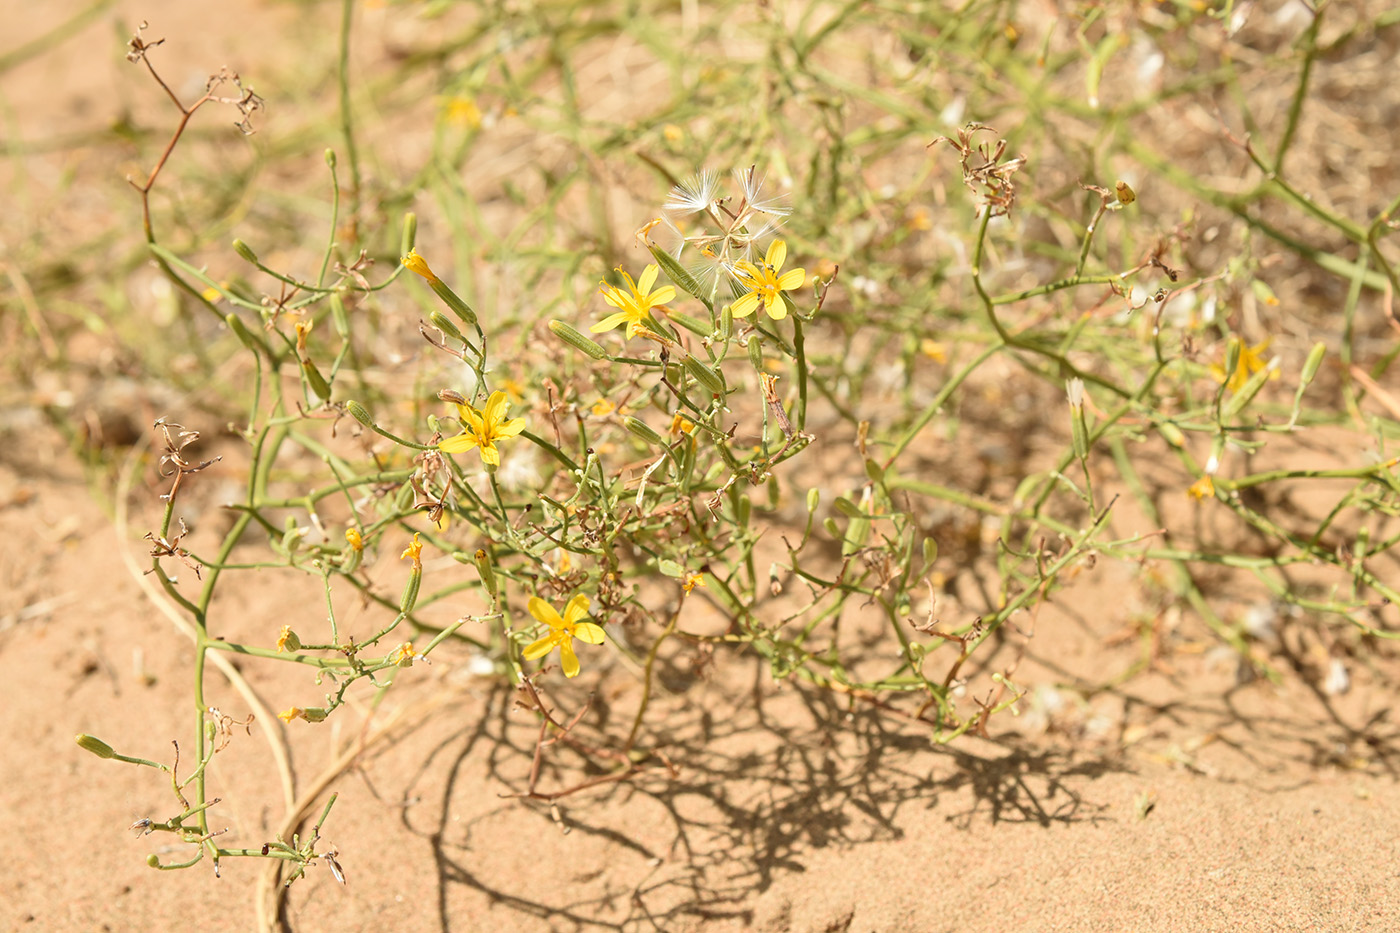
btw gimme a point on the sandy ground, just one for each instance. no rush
(1184, 798)
(1235, 809)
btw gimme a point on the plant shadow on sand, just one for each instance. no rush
(760, 787)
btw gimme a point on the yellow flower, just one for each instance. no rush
(765, 285)
(461, 110)
(483, 428)
(636, 306)
(211, 294)
(1202, 488)
(933, 350)
(415, 263)
(562, 631)
(1250, 362)
(353, 536)
(603, 407)
(303, 328)
(691, 581)
(415, 551)
(403, 655)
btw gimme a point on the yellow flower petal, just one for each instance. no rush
(590, 632)
(510, 428)
(569, 659)
(648, 278)
(777, 255)
(495, 408)
(538, 649)
(745, 305)
(791, 279)
(415, 263)
(459, 444)
(576, 609)
(609, 322)
(544, 612)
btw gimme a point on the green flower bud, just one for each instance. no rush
(694, 325)
(358, 412)
(246, 251)
(1314, 362)
(643, 430)
(240, 330)
(756, 353)
(488, 573)
(317, 382)
(453, 301)
(577, 340)
(330, 158)
(704, 375)
(95, 745)
(442, 323)
(339, 317)
(676, 272)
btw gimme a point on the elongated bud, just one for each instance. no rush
(339, 316)
(453, 301)
(240, 330)
(1125, 193)
(1246, 394)
(1314, 362)
(488, 573)
(246, 251)
(756, 353)
(696, 326)
(641, 429)
(442, 323)
(675, 271)
(358, 412)
(577, 340)
(410, 233)
(330, 159)
(1171, 434)
(314, 378)
(95, 745)
(409, 598)
(704, 375)
(1233, 348)
(726, 322)
(814, 499)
